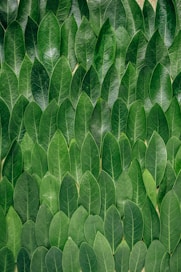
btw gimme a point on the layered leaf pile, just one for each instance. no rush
(90, 127)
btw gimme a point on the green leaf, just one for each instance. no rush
(48, 41)
(58, 156)
(176, 87)
(82, 118)
(58, 231)
(137, 257)
(39, 161)
(174, 53)
(160, 87)
(27, 146)
(172, 146)
(23, 260)
(139, 192)
(16, 123)
(90, 157)
(156, 52)
(76, 84)
(6, 194)
(49, 192)
(166, 20)
(24, 81)
(115, 11)
(173, 115)
(119, 118)
(125, 151)
(75, 164)
(63, 10)
(32, 116)
(85, 41)
(28, 239)
(169, 227)
(31, 38)
(47, 125)
(133, 223)
(52, 6)
(89, 193)
(121, 257)
(25, 9)
(14, 228)
(4, 127)
(150, 187)
(2, 32)
(60, 81)
(65, 119)
(104, 54)
(53, 260)
(8, 85)
(136, 123)
(13, 164)
(154, 256)
(42, 226)
(107, 190)
(110, 86)
(76, 226)
(14, 47)
(127, 89)
(38, 260)
(87, 258)
(177, 185)
(70, 257)
(8, 12)
(138, 152)
(6, 260)
(26, 197)
(136, 50)
(157, 121)
(175, 263)
(111, 161)
(142, 86)
(39, 84)
(102, 249)
(113, 227)
(68, 32)
(156, 157)
(149, 18)
(3, 228)
(93, 224)
(100, 121)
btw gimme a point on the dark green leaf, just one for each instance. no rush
(4, 127)
(6, 260)
(174, 53)
(177, 161)
(75, 164)
(177, 87)
(149, 18)
(121, 257)
(119, 118)
(2, 32)
(172, 146)
(173, 115)
(6, 194)
(63, 10)
(138, 152)
(70, 257)
(116, 13)
(76, 84)
(38, 260)
(8, 11)
(93, 224)
(26, 197)
(3, 228)
(27, 146)
(53, 260)
(23, 261)
(31, 38)
(175, 262)
(25, 9)
(24, 81)
(142, 86)
(137, 257)
(125, 151)
(28, 239)
(52, 6)
(87, 258)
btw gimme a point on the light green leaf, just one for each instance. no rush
(119, 118)
(133, 223)
(60, 81)
(93, 224)
(63, 10)
(90, 157)
(49, 193)
(6, 194)
(14, 228)
(39, 84)
(125, 151)
(102, 249)
(6, 260)
(113, 12)
(169, 221)
(31, 38)
(150, 187)
(87, 258)
(65, 119)
(24, 80)
(156, 157)
(85, 41)
(48, 41)
(113, 227)
(58, 156)
(107, 190)
(58, 231)
(27, 146)
(172, 146)
(154, 256)
(166, 20)
(28, 239)
(53, 260)
(105, 50)
(70, 257)
(38, 260)
(175, 262)
(82, 118)
(23, 260)
(137, 257)
(32, 116)
(173, 115)
(14, 47)
(121, 257)
(76, 226)
(160, 87)
(174, 53)
(75, 164)
(142, 86)
(26, 197)
(39, 161)
(42, 226)
(138, 152)
(89, 193)
(76, 84)
(177, 185)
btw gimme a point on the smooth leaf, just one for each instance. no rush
(93, 224)
(70, 257)
(119, 118)
(58, 231)
(156, 157)
(58, 156)
(173, 116)
(23, 260)
(138, 152)
(76, 84)
(125, 151)
(60, 81)
(48, 41)
(24, 80)
(26, 197)
(175, 263)
(174, 53)
(149, 18)
(102, 249)
(6, 260)
(172, 146)
(53, 260)
(89, 193)
(87, 257)
(142, 86)
(4, 126)
(133, 223)
(63, 10)
(38, 260)
(6, 194)
(75, 164)
(137, 257)
(3, 228)
(27, 147)
(31, 38)
(28, 239)
(1, 44)
(150, 187)
(170, 221)
(121, 257)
